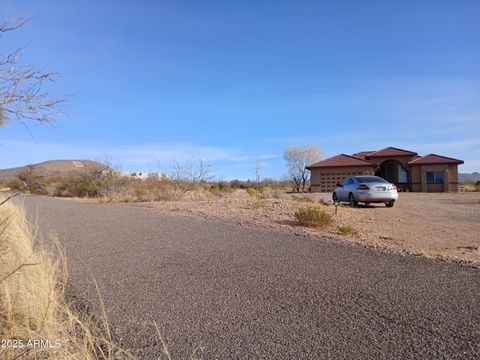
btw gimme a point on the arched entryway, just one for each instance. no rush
(395, 172)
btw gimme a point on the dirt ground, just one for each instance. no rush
(425, 224)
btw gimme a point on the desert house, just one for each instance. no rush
(143, 175)
(406, 169)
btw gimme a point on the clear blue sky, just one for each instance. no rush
(231, 81)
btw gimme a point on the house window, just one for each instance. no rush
(435, 177)
(402, 175)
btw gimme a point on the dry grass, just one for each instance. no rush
(35, 320)
(313, 217)
(469, 187)
(346, 230)
(428, 254)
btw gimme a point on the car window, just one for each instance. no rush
(370, 179)
(348, 181)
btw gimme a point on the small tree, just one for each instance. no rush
(296, 159)
(29, 177)
(189, 174)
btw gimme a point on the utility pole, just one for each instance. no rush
(257, 173)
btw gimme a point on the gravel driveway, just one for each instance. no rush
(429, 224)
(229, 292)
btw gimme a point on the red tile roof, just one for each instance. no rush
(392, 151)
(362, 154)
(434, 159)
(341, 160)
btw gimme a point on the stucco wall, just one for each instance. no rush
(419, 178)
(453, 177)
(401, 159)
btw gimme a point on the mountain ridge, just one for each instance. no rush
(49, 168)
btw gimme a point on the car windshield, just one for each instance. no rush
(370, 179)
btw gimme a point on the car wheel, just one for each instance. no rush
(390, 203)
(352, 201)
(334, 197)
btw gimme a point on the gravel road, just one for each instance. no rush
(230, 292)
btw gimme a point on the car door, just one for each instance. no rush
(351, 187)
(343, 193)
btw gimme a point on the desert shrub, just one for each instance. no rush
(239, 184)
(28, 175)
(140, 193)
(252, 192)
(57, 186)
(266, 192)
(14, 184)
(345, 229)
(477, 186)
(216, 186)
(113, 187)
(303, 198)
(36, 188)
(279, 194)
(313, 217)
(222, 186)
(87, 186)
(274, 184)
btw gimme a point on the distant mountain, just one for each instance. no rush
(49, 168)
(473, 177)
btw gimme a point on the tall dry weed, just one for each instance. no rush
(36, 322)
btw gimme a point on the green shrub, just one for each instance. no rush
(216, 186)
(345, 229)
(314, 217)
(221, 186)
(252, 192)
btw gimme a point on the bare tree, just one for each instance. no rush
(296, 159)
(28, 176)
(22, 87)
(190, 173)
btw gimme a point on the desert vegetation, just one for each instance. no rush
(313, 216)
(470, 186)
(191, 179)
(36, 321)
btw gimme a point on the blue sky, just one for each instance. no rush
(155, 81)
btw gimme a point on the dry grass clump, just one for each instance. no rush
(426, 253)
(470, 187)
(252, 192)
(303, 198)
(345, 229)
(313, 217)
(35, 320)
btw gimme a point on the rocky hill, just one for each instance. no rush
(49, 168)
(469, 178)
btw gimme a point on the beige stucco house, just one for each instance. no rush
(406, 169)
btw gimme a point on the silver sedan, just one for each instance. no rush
(366, 189)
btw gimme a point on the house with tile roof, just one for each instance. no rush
(405, 168)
